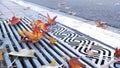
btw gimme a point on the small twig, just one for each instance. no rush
(13, 61)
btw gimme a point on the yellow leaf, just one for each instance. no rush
(90, 53)
(52, 40)
(51, 21)
(21, 33)
(53, 63)
(1, 56)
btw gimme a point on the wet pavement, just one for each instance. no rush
(93, 10)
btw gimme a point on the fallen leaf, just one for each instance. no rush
(14, 20)
(21, 33)
(53, 63)
(99, 24)
(1, 56)
(51, 21)
(23, 53)
(52, 40)
(39, 25)
(90, 53)
(117, 52)
(33, 36)
(43, 26)
(74, 63)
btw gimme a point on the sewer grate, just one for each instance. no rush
(44, 52)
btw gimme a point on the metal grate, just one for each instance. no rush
(45, 53)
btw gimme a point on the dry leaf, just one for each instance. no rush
(99, 24)
(23, 53)
(21, 33)
(90, 53)
(33, 36)
(40, 25)
(14, 20)
(74, 63)
(51, 21)
(52, 40)
(53, 63)
(117, 52)
(1, 56)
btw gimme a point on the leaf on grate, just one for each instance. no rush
(51, 21)
(75, 63)
(53, 63)
(90, 53)
(41, 25)
(21, 33)
(1, 52)
(33, 36)
(1, 56)
(14, 20)
(23, 53)
(52, 40)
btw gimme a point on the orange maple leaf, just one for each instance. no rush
(21, 34)
(52, 40)
(51, 21)
(43, 26)
(40, 25)
(14, 20)
(117, 52)
(99, 24)
(32, 36)
(74, 63)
